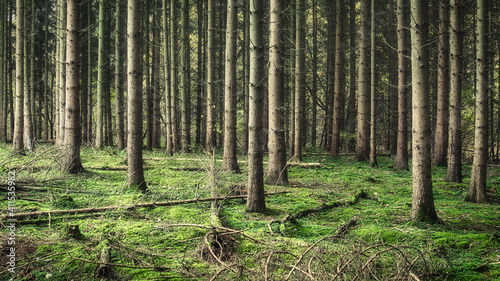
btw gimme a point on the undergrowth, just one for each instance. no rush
(171, 242)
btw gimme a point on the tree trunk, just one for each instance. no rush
(210, 139)
(256, 200)
(477, 191)
(119, 95)
(71, 159)
(299, 79)
(402, 147)
(454, 173)
(89, 86)
(28, 113)
(134, 97)
(423, 198)
(99, 138)
(373, 91)
(338, 87)
(246, 72)
(351, 106)
(155, 77)
(441, 137)
(200, 74)
(147, 63)
(3, 92)
(276, 172)
(314, 73)
(84, 69)
(185, 79)
(330, 77)
(19, 118)
(168, 90)
(230, 83)
(363, 136)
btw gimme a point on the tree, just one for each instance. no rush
(373, 89)
(299, 79)
(18, 118)
(230, 83)
(423, 198)
(402, 146)
(173, 75)
(168, 97)
(441, 137)
(71, 158)
(155, 77)
(477, 190)
(256, 200)
(338, 87)
(134, 97)
(210, 139)
(101, 64)
(277, 173)
(62, 71)
(363, 135)
(454, 173)
(28, 79)
(185, 79)
(119, 95)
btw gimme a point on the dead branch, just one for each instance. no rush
(126, 207)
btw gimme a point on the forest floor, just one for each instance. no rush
(340, 220)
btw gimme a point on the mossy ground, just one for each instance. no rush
(465, 247)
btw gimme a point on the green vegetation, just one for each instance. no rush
(150, 243)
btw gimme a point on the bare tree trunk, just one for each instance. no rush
(99, 138)
(330, 79)
(200, 75)
(168, 90)
(338, 84)
(373, 90)
(454, 173)
(84, 68)
(351, 106)
(477, 191)
(256, 200)
(230, 83)
(173, 74)
(185, 79)
(299, 79)
(3, 76)
(423, 198)
(28, 113)
(19, 118)
(119, 93)
(62, 72)
(146, 65)
(402, 147)
(210, 139)
(155, 77)
(246, 72)
(441, 137)
(89, 86)
(363, 136)
(277, 173)
(134, 97)
(314, 73)
(71, 159)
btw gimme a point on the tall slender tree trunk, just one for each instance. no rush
(246, 73)
(99, 138)
(62, 73)
(28, 113)
(314, 73)
(155, 77)
(19, 118)
(363, 135)
(3, 96)
(373, 91)
(454, 173)
(199, 75)
(84, 69)
(119, 93)
(402, 146)
(277, 173)
(71, 158)
(256, 200)
(230, 83)
(185, 79)
(441, 137)
(134, 97)
(423, 198)
(210, 139)
(89, 86)
(477, 191)
(173, 73)
(168, 90)
(299, 79)
(351, 105)
(338, 87)
(330, 77)
(147, 67)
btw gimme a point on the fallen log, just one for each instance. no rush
(290, 164)
(125, 207)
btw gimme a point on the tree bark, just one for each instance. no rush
(277, 173)
(230, 83)
(19, 118)
(299, 79)
(210, 139)
(168, 90)
(99, 138)
(441, 136)
(314, 73)
(477, 190)
(402, 146)
(173, 74)
(71, 159)
(134, 97)
(423, 198)
(155, 77)
(373, 91)
(246, 73)
(119, 93)
(454, 173)
(256, 200)
(363, 135)
(3, 96)
(351, 106)
(62, 72)
(185, 80)
(84, 70)
(28, 113)
(338, 87)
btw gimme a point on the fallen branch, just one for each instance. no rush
(126, 207)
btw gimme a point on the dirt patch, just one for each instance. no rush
(18, 252)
